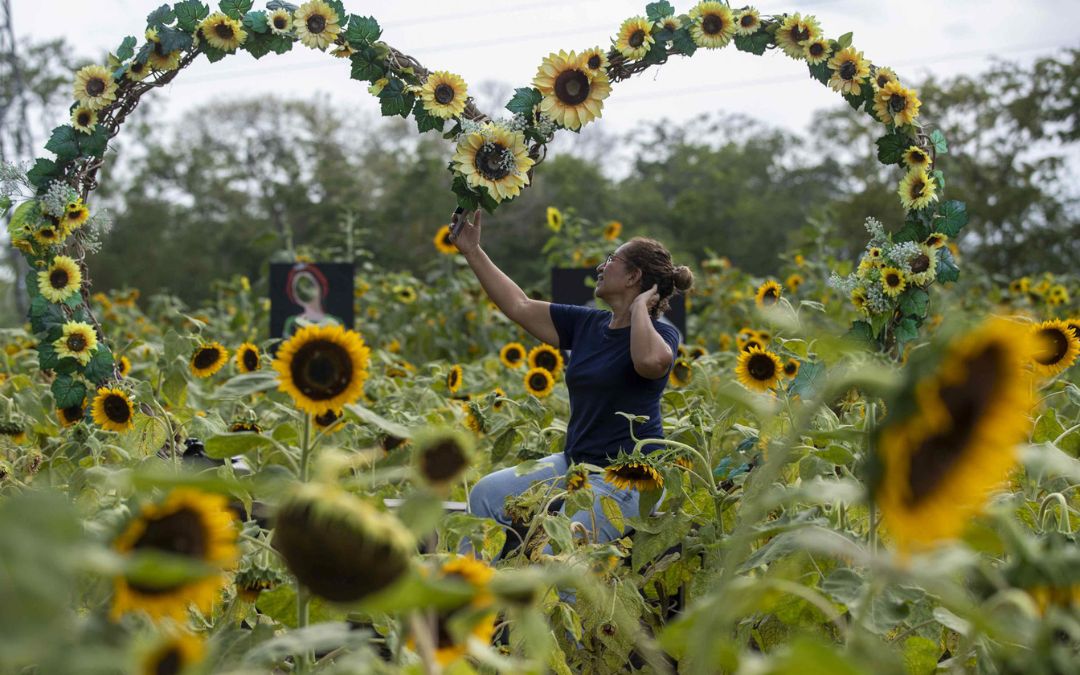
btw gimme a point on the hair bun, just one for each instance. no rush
(683, 278)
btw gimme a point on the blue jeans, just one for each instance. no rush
(488, 496)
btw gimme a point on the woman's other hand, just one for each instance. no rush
(465, 231)
(646, 300)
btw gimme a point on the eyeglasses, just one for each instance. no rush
(613, 256)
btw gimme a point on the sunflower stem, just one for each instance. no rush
(305, 447)
(305, 659)
(871, 420)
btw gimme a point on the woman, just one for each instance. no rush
(619, 362)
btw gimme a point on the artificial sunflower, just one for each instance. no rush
(859, 299)
(342, 49)
(208, 359)
(442, 241)
(633, 472)
(512, 354)
(189, 524)
(78, 341)
(441, 455)
(1055, 347)
(161, 60)
(793, 282)
(405, 294)
(75, 216)
(280, 21)
(573, 95)
(177, 653)
(60, 279)
(84, 120)
(123, 366)
(539, 382)
(112, 410)
(849, 71)
(316, 24)
(817, 51)
(758, 369)
(137, 71)
(595, 60)
(747, 21)
(494, 158)
(612, 230)
(73, 414)
(635, 38)
(444, 94)
(454, 378)
(795, 32)
(247, 358)
(917, 190)
(897, 105)
(554, 219)
(94, 87)
(713, 24)
(339, 546)
(768, 294)
(223, 32)
(937, 464)
(923, 266)
(323, 368)
(893, 281)
(883, 76)
(681, 373)
(917, 158)
(546, 357)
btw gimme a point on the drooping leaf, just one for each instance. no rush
(174, 40)
(683, 42)
(367, 65)
(394, 100)
(42, 173)
(946, 267)
(913, 301)
(100, 366)
(425, 121)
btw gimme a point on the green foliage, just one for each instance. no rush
(524, 101)
(756, 43)
(656, 11)
(395, 100)
(161, 16)
(891, 147)
(236, 9)
(362, 31)
(189, 13)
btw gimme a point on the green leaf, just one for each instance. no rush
(160, 16)
(5, 204)
(921, 655)
(67, 391)
(48, 359)
(844, 41)
(755, 43)
(100, 366)
(946, 266)
(339, 9)
(906, 331)
(913, 302)
(367, 65)
(44, 315)
(222, 447)
(261, 44)
(938, 176)
(658, 10)
(657, 53)
(891, 147)
(126, 49)
(952, 217)
(524, 100)
(612, 512)
(236, 9)
(860, 331)
(95, 143)
(148, 435)
(367, 416)
(426, 121)
(1047, 429)
(246, 384)
(649, 546)
(151, 568)
(937, 138)
(467, 199)
(912, 230)
(173, 40)
(257, 22)
(64, 142)
(395, 100)
(213, 54)
(42, 173)
(683, 42)
(811, 377)
(189, 13)
(362, 30)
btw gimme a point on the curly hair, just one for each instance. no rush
(654, 261)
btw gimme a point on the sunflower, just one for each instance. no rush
(793, 282)
(137, 71)
(405, 294)
(635, 38)
(681, 373)
(123, 366)
(923, 266)
(916, 158)
(441, 455)
(1055, 347)
(72, 415)
(84, 119)
(893, 281)
(494, 158)
(758, 369)
(554, 219)
(612, 230)
(453, 378)
(595, 60)
(222, 32)
(791, 368)
(444, 94)
(883, 76)
(768, 294)
(94, 87)
(938, 463)
(79, 340)
(473, 421)
(763, 336)
(1057, 296)
(633, 472)
(339, 546)
(795, 32)
(573, 94)
(1074, 326)
(329, 420)
(75, 215)
(448, 647)
(322, 368)
(539, 382)
(744, 336)
(917, 190)
(849, 71)
(577, 478)
(60, 279)
(280, 21)
(512, 354)
(177, 653)
(1020, 286)
(208, 359)
(747, 21)
(895, 104)
(498, 398)
(247, 358)
(713, 24)
(161, 60)
(112, 410)
(189, 524)
(316, 24)
(546, 357)
(817, 51)
(342, 49)
(442, 241)
(245, 426)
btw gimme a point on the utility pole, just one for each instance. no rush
(15, 140)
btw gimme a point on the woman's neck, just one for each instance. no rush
(620, 312)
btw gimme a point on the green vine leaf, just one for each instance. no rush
(913, 302)
(159, 17)
(891, 147)
(189, 13)
(952, 217)
(42, 173)
(755, 43)
(362, 30)
(367, 65)
(100, 366)
(395, 100)
(68, 391)
(525, 99)
(64, 143)
(425, 121)
(257, 22)
(938, 140)
(173, 40)
(658, 10)
(236, 9)
(946, 267)
(683, 42)
(126, 49)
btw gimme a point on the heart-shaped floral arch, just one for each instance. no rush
(494, 158)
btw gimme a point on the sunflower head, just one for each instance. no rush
(323, 368)
(84, 119)
(893, 281)
(442, 455)
(405, 294)
(554, 219)
(539, 382)
(177, 652)
(247, 358)
(817, 51)
(245, 426)
(577, 478)
(547, 357)
(896, 105)
(636, 471)
(137, 70)
(768, 294)
(60, 279)
(207, 359)
(72, 415)
(454, 378)
(758, 369)
(595, 60)
(1055, 347)
(442, 241)
(75, 215)
(280, 21)
(917, 190)
(78, 341)
(444, 94)
(612, 230)
(223, 32)
(791, 368)
(849, 71)
(795, 32)
(512, 354)
(882, 77)
(123, 366)
(112, 410)
(94, 87)
(635, 38)
(713, 24)
(316, 24)
(339, 546)
(793, 282)
(917, 158)
(923, 266)
(747, 21)
(681, 373)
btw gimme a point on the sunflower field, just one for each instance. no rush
(868, 464)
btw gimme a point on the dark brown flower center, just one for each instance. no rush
(452, 378)
(917, 188)
(76, 342)
(206, 357)
(800, 33)
(817, 49)
(171, 662)
(572, 87)
(897, 103)
(761, 367)
(747, 20)
(882, 80)
(316, 23)
(58, 278)
(921, 263)
(712, 24)
(594, 61)
(137, 67)
(181, 533)
(95, 86)
(636, 39)
(75, 215)
(1053, 346)
(513, 355)
(847, 70)
(117, 409)
(538, 382)
(547, 360)
(280, 22)
(682, 371)
(73, 413)
(326, 419)
(224, 31)
(84, 118)
(442, 461)
(251, 359)
(769, 296)
(321, 370)
(444, 94)
(892, 279)
(492, 161)
(791, 367)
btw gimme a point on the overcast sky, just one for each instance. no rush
(505, 41)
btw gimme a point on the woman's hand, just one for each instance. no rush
(465, 232)
(646, 300)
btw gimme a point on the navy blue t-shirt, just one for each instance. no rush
(602, 381)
